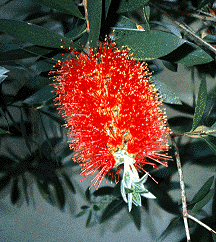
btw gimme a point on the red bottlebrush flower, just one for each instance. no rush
(112, 110)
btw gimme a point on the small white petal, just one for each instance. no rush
(129, 201)
(148, 195)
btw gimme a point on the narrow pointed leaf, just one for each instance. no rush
(40, 96)
(198, 206)
(112, 209)
(96, 207)
(24, 134)
(88, 194)
(94, 9)
(107, 5)
(174, 30)
(147, 45)
(44, 191)
(89, 219)
(65, 6)
(25, 187)
(136, 198)
(210, 144)
(168, 96)
(2, 131)
(124, 22)
(172, 225)
(34, 34)
(2, 72)
(4, 181)
(21, 53)
(197, 57)
(102, 191)
(81, 213)
(214, 237)
(170, 65)
(47, 103)
(146, 15)
(69, 183)
(201, 103)
(15, 193)
(203, 191)
(59, 192)
(77, 32)
(56, 119)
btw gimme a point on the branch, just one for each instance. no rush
(197, 38)
(184, 204)
(201, 223)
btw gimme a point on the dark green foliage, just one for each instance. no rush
(31, 43)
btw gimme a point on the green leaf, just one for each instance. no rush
(53, 117)
(94, 9)
(3, 115)
(124, 22)
(65, 6)
(84, 207)
(202, 3)
(168, 96)
(147, 45)
(44, 191)
(25, 187)
(214, 237)
(198, 206)
(24, 133)
(136, 216)
(146, 15)
(113, 208)
(136, 198)
(89, 219)
(196, 57)
(96, 208)
(172, 225)
(81, 213)
(210, 144)
(170, 65)
(201, 103)
(203, 191)
(102, 191)
(15, 193)
(107, 5)
(47, 103)
(88, 194)
(59, 192)
(2, 72)
(69, 183)
(40, 96)
(174, 30)
(34, 34)
(21, 53)
(76, 32)
(2, 131)
(4, 181)
(130, 5)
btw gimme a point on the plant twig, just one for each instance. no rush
(183, 195)
(182, 26)
(205, 18)
(201, 223)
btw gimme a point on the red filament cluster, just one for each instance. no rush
(109, 104)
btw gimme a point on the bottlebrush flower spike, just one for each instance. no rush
(113, 114)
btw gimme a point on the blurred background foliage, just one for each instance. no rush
(35, 34)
